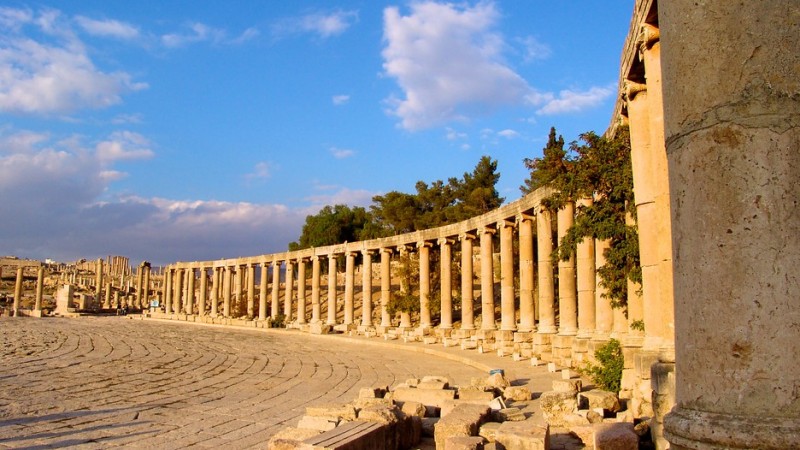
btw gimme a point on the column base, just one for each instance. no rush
(702, 430)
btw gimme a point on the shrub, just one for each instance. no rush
(607, 374)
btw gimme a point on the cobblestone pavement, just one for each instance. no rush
(99, 382)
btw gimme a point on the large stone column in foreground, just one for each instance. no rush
(731, 74)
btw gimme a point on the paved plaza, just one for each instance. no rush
(98, 382)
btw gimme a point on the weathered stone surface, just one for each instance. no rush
(335, 411)
(317, 423)
(489, 430)
(388, 417)
(464, 443)
(356, 435)
(555, 405)
(464, 420)
(508, 414)
(432, 384)
(413, 409)
(517, 393)
(615, 436)
(597, 398)
(360, 403)
(428, 397)
(369, 392)
(290, 438)
(573, 385)
(475, 394)
(523, 436)
(428, 425)
(498, 381)
(436, 378)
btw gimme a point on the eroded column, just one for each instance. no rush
(567, 301)
(177, 298)
(167, 290)
(37, 306)
(262, 291)
(586, 281)
(146, 286)
(315, 303)
(203, 297)
(251, 290)
(446, 282)
(190, 291)
(301, 290)
(508, 312)
(467, 284)
(366, 288)
(331, 290)
(226, 292)
(386, 286)
(604, 314)
(215, 275)
(424, 254)
(544, 240)
(349, 287)
(276, 290)
(288, 291)
(527, 312)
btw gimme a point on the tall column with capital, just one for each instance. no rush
(544, 239)
(189, 290)
(567, 293)
(366, 288)
(301, 290)
(167, 290)
(226, 292)
(604, 314)
(276, 289)
(467, 285)
(508, 312)
(446, 282)
(586, 279)
(288, 291)
(251, 290)
(238, 290)
(487, 279)
(331, 290)
(215, 275)
(316, 308)
(527, 311)
(262, 291)
(139, 280)
(424, 252)
(405, 257)
(349, 287)
(177, 298)
(386, 286)
(98, 286)
(733, 140)
(146, 286)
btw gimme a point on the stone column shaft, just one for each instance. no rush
(167, 291)
(386, 286)
(567, 293)
(146, 287)
(226, 292)
(215, 274)
(331, 290)
(527, 311)
(177, 298)
(446, 282)
(251, 290)
(190, 277)
(203, 297)
(262, 291)
(544, 239)
(487, 279)
(508, 312)
(604, 315)
(366, 289)
(424, 253)
(301, 291)
(467, 286)
(586, 280)
(276, 289)
(349, 288)
(288, 291)
(315, 287)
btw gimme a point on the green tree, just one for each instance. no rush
(475, 193)
(333, 225)
(600, 168)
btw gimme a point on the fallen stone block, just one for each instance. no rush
(290, 438)
(464, 420)
(508, 415)
(551, 367)
(437, 379)
(517, 393)
(388, 416)
(319, 328)
(573, 385)
(371, 392)
(356, 435)
(361, 403)
(523, 436)
(498, 381)
(432, 385)
(333, 411)
(428, 397)
(615, 436)
(555, 405)
(475, 395)
(317, 423)
(430, 340)
(489, 431)
(497, 403)
(597, 398)
(464, 443)
(413, 409)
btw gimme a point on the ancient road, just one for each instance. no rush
(104, 382)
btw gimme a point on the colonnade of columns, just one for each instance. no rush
(18, 287)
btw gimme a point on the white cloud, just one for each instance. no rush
(340, 99)
(123, 145)
(261, 170)
(107, 28)
(447, 60)
(197, 32)
(508, 134)
(55, 73)
(342, 153)
(340, 196)
(569, 101)
(247, 35)
(453, 135)
(321, 24)
(533, 49)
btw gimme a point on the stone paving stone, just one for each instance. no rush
(101, 382)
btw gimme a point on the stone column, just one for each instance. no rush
(349, 287)
(288, 291)
(215, 274)
(238, 290)
(604, 315)
(508, 311)
(226, 292)
(203, 297)
(98, 284)
(146, 286)
(262, 291)
(18, 290)
(301, 290)
(177, 298)
(487, 279)
(544, 239)
(139, 279)
(527, 312)
(446, 282)
(276, 289)
(315, 304)
(386, 286)
(107, 298)
(167, 291)
(331, 290)
(251, 290)
(467, 274)
(190, 277)
(733, 134)
(405, 317)
(366, 288)
(586, 280)
(424, 254)
(37, 306)
(567, 301)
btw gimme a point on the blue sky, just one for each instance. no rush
(189, 130)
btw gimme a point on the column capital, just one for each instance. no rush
(488, 229)
(369, 251)
(632, 88)
(648, 36)
(523, 216)
(506, 223)
(427, 244)
(388, 250)
(468, 235)
(445, 241)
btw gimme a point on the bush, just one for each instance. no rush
(607, 374)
